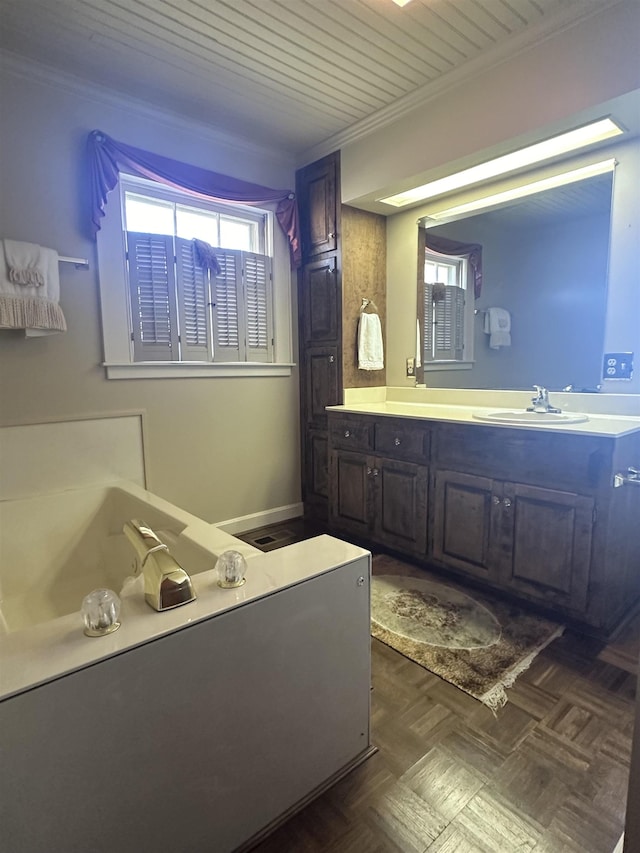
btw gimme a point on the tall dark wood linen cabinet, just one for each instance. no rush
(319, 323)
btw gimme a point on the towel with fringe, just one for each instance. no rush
(370, 347)
(497, 324)
(25, 303)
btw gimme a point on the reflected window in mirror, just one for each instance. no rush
(445, 309)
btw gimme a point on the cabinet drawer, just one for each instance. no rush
(402, 440)
(564, 461)
(350, 434)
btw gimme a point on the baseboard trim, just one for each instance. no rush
(261, 519)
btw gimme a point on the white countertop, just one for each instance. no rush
(47, 651)
(612, 426)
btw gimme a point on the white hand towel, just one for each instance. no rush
(370, 348)
(30, 306)
(497, 324)
(27, 263)
(418, 346)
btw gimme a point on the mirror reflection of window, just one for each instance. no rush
(443, 320)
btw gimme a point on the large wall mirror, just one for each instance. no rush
(545, 260)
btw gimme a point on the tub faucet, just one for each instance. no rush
(166, 584)
(540, 403)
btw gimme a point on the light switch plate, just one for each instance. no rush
(411, 367)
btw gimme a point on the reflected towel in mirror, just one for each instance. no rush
(497, 324)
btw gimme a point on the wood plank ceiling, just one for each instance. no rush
(286, 73)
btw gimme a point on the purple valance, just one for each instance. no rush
(471, 251)
(109, 157)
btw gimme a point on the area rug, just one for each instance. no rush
(472, 639)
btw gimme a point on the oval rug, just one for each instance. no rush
(428, 612)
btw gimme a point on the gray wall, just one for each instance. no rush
(219, 448)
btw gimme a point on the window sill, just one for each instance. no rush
(447, 365)
(194, 370)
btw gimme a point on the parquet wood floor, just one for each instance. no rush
(547, 774)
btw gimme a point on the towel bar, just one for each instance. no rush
(79, 262)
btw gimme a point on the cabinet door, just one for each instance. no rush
(320, 301)
(401, 505)
(351, 492)
(321, 384)
(466, 529)
(317, 203)
(551, 535)
(316, 464)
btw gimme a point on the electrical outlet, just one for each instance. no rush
(411, 367)
(618, 365)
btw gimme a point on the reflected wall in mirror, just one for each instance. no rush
(545, 261)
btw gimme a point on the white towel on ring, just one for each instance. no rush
(370, 347)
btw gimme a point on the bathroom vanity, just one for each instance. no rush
(530, 511)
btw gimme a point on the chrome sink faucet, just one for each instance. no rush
(540, 403)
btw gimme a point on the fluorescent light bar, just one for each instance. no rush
(545, 150)
(526, 189)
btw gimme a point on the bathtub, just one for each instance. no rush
(58, 547)
(226, 714)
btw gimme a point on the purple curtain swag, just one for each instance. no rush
(471, 251)
(108, 158)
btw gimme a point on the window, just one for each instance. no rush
(181, 311)
(445, 309)
(176, 312)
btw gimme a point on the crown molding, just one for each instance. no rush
(37, 72)
(565, 20)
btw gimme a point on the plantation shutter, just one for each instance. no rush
(193, 304)
(444, 324)
(258, 317)
(154, 318)
(228, 336)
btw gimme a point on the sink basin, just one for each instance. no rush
(532, 418)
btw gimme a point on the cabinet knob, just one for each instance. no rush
(369, 471)
(330, 235)
(495, 500)
(397, 442)
(507, 502)
(332, 358)
(375, 472)
(347, 433)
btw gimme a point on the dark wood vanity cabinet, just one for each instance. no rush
(523, 538)
(533, 514)
(379, 497)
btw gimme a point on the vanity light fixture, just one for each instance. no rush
(572, 140)
(526, 189)
(401, 2)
